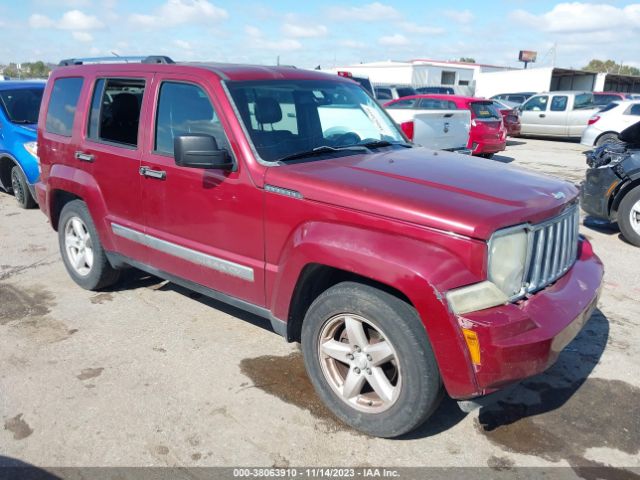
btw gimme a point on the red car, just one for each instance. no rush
(291, 194)
(510, 118)
(488, 134)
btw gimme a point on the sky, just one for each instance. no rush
(328, 33)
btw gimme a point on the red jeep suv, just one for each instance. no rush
(291, 194)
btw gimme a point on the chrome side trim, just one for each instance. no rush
(209, 261)
(283, 191)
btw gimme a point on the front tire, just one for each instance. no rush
(629, 217)
(81, 250)
(370, 360)
(20, 189)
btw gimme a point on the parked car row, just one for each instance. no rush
(403, 272)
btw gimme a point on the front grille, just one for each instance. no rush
(554, 249)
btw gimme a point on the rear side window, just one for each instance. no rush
(62, 105)
(383, 94)
(559, 103)
(408, 103)
(185, 109)
(115, 110)
(437, 104)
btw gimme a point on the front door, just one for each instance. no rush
(533, 115)
(203, 225)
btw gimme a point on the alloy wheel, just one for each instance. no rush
(359, 363)
(78, 246)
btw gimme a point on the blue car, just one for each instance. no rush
(19, 169)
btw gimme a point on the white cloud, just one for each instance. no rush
(395, 40)
(252, 31)
(179, 12)
(577, 17)
(354, 44)
(460, 16)
(82, 36)
(304, 31)
(284, 45)
(371, 12)
(40, 21)
(411, 27)
(77, 20)
(182, 44)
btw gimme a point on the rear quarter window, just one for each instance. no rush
(62, 105)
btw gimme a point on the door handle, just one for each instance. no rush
(85, 157)
(542, 115)
(148, 172)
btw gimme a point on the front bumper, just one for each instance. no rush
(521, 340)
(596, 191)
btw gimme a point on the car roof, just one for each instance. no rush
(13, 84)
(225, 71)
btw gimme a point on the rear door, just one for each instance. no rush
(111, 150)
(533, 116)
(202, 225)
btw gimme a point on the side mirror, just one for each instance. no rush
(200, 151)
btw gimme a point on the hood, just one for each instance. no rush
(447, 191)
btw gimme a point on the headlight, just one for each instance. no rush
(507, 260)
(32, 148)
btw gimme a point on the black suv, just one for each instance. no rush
(611, 190)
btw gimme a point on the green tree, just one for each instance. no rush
(467, 60)
(610, 66)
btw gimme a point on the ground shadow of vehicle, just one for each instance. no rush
(601, 226)
(514, 143)
(502, 158)
(564, 413)
(14, 469)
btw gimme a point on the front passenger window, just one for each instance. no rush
(184, 109)
(536, 104)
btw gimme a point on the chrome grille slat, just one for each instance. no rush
(554, 249)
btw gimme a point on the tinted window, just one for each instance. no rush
(604, 99)
(536, 104)
(184, 109)
(405, 91)
(610, 106)
(62, 105)
(635, 109)
(485, 110)
(583, 100)
(559, 103)
(514, 98)
(383, 94)
(437, 104)
(409, 103)
(448, 78)
(21, 105)
(115, 110)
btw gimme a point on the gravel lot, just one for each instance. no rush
(151, 374)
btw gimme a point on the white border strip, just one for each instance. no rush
(209, 261)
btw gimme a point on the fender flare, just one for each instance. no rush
(83, 185)
(421, 271)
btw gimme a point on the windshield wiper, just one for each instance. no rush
(384, 143)
(322, 150)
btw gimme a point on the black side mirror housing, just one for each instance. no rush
(200, 151)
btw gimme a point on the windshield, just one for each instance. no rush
(22, 104)
(285, 118)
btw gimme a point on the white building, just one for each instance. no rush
(420, 73)
(546, 79)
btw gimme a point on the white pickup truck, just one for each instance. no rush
(439, 129)
(557, 114)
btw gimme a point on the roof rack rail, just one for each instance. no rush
(130, 59)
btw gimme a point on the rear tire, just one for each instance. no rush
(81, 250)
(20, 189)
(607, 138)
(370, 360)
(629, 217)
